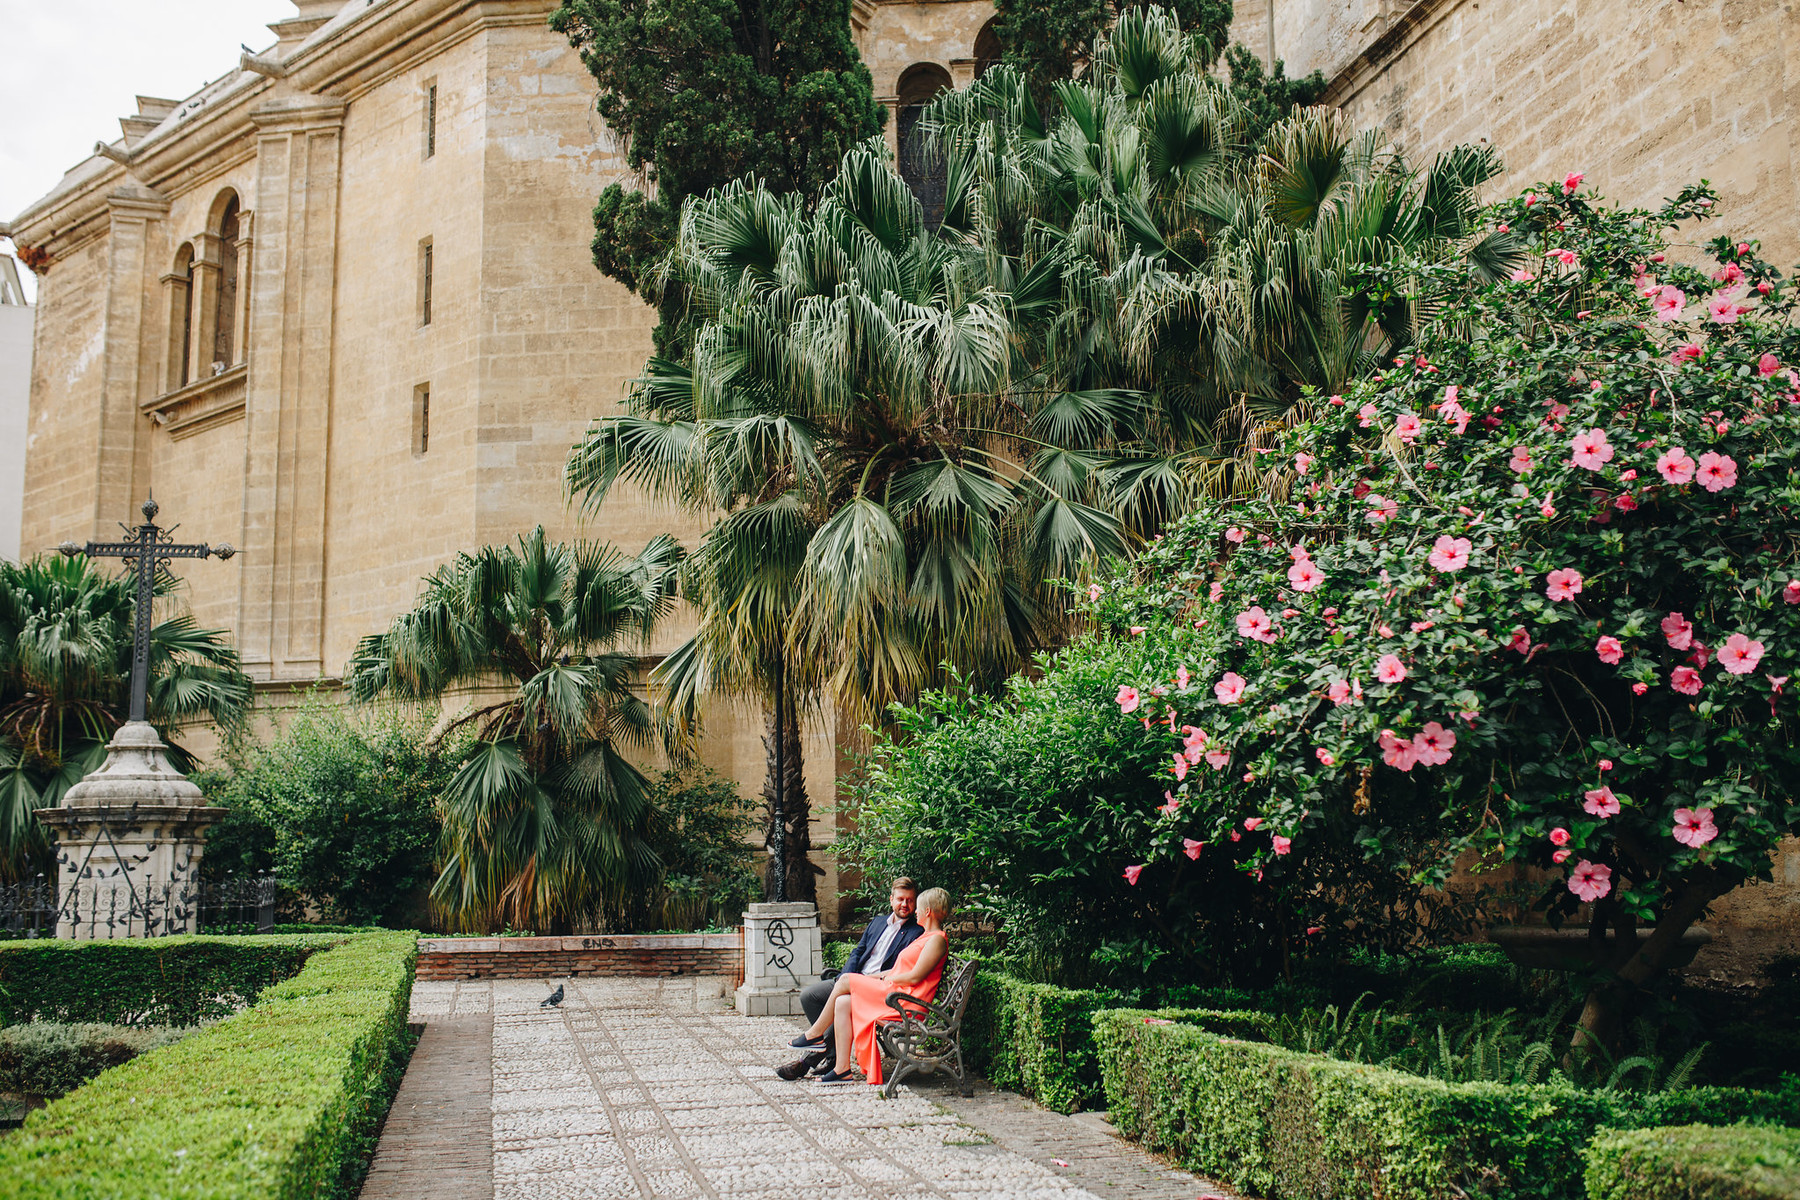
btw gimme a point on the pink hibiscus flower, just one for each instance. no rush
(1181, 679)
(1449, 554)
(1520, 641)
(1407, 427)
(1215, 592)
(1563, 584)
(1675, 465)
(1790, 591)
(1217, 758)
(1433, 744)
(1254, 623)
(1302, 463)
(1521, 275)
(1132, 873)
(1170, 805)
(1389, 669)
(1381, 508)
(1602, 803)
(1723, 309)
(1767, 365)
(1282, 845)
(1669, 303)
(1590, 880)
(1253, 823)
(1740, 655)
(1324, 756)
(1559, 836)
(1717, 472)
(1609, 649)
(1694, 827)
(1591, 449)
(1685, 680)
(1572, 181)
(1305, 576)
(1679, 630)
(1521, 460)
(1181, 767)
(1127, 698)
(1093, 591)
(1561, 856)
(1229, 690)
(1191, 848)
(1638, 689)
(1234, 535)
(1366, 416)
(1339, 691)
(1687, 352)
(1396, 751)
(1565, 257)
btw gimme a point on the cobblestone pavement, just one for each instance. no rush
(651, 1088)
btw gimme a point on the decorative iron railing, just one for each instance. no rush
(119, 907)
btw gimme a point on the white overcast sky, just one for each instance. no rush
(69, 69)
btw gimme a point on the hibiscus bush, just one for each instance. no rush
(1533, 585)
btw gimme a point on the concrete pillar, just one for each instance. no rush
(130, 210)
(288, 396)
(782, 954)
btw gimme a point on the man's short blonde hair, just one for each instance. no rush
(935, 900)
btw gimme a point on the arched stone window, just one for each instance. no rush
(180, 283)
(923, 171)
(988, 50)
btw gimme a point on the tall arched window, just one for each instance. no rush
(923, 171)
(225, 337)
(988, 50)
(181, 317)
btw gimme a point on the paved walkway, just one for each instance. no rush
(654, 1088)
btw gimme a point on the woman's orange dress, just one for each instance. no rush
(868, 1004)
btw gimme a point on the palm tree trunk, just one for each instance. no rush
(787, 781)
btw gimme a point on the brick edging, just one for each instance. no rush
(644, 955)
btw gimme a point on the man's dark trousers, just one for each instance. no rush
(814, 995)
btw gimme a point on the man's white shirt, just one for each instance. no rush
(878, 955)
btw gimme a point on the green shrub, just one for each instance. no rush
(48, 1058)
(1290, 1126)
(342, 805)
(156, 981)
(1035, 1039)
(1695, 1162)
(279, 1101)
(837, 954)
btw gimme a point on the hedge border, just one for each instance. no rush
(1288, 1126)
(1695, 1162)
(279, 1101)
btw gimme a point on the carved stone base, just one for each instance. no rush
(129, 839)
(782, 954)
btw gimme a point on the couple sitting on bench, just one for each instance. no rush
(898, 953)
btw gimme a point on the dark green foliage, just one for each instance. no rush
(343, 806)
(1268, 98)
(48, 1058)
(1291, 1126)
(698, 828)
(1695, 1162)
(1049, 39)
(1035, 1039)
(309, 1071)
(702, 92)
(65, 667)
(153, 981)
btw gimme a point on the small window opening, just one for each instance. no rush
(421, 439)
(425, 282)
(430, 118)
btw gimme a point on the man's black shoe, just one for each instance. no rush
(799, 1068)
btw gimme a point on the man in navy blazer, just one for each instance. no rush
(881, 944)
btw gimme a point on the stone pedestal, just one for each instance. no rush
(129, 838)
(782, 954)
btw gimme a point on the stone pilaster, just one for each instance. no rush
(204, 273)
(130, 210)
(288, 403)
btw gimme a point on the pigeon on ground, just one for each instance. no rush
(555, 998)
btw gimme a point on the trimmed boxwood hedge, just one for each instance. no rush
(1695, 1162)
(1290, 1126)
(145, 981)
(1035, 1039)
(48, 1058)
(279, 1101)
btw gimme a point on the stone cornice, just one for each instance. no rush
(295, 114)
(1405, 29)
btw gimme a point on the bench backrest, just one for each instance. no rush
(961, 974)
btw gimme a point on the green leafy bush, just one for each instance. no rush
(280, 1101)
(343, 806)
(153, 981)
(48, 1058)
(1292, 1126)
(699, 828)
(1695, 1162)
(1035, 1039)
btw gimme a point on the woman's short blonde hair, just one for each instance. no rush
(935, 900)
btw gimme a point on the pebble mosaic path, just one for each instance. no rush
(637, 1089)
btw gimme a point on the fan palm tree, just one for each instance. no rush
(544, 820)
(65, 671)
(849, 412)
(1219, 282)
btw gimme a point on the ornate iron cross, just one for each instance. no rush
(145, 549)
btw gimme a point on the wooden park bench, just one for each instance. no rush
(928, 1035)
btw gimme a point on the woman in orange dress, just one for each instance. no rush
(916, 973)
